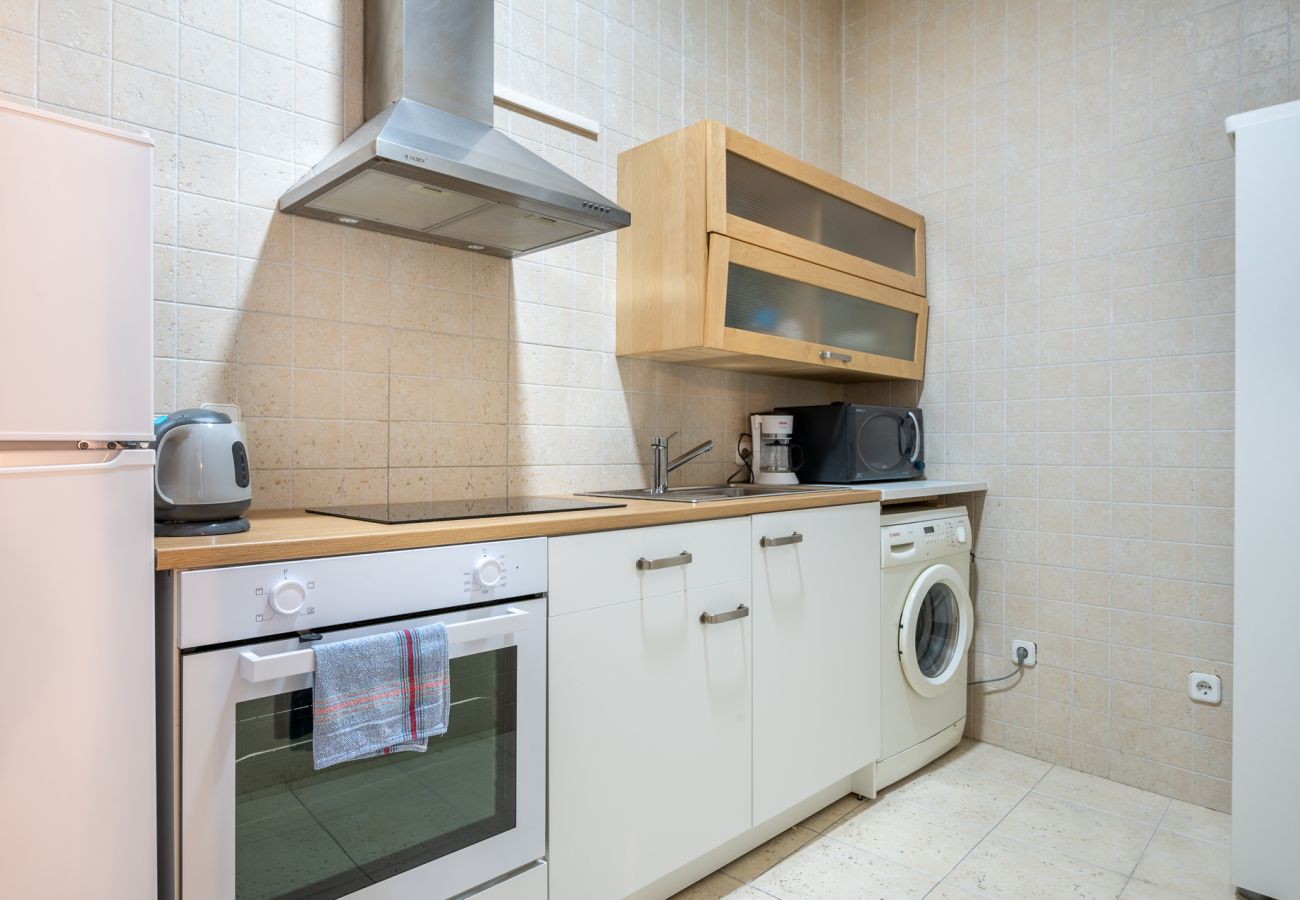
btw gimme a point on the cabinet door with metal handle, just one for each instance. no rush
(610, 835)
(668, 562)
(603, 568)
(716, 618)
(815, 593)
(793, 538)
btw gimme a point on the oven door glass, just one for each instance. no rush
(259, 823)
(302, 833)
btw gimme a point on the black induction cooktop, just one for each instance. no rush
(443, 510)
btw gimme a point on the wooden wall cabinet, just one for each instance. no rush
(743, 257)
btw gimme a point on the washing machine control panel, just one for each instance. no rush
(946, 534)
(911, 541)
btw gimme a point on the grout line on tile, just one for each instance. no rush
(1089, 806)
(1079, 859)
(1096, 809)
(816, 834)
(990, 830)
(955, 765)
(1146, 846)
(861, 807)
(971, 891)
(936, 808)
(884, 859)
(1194, 837)
(931, 769)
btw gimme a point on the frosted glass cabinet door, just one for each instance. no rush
(745, 258)
(780, 202)
(785, 308)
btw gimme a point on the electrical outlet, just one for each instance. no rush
(745, 443)
(1030, 647)
(1204, 688)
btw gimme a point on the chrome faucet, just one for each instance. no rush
(660, 464)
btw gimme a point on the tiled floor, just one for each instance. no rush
(986, 822)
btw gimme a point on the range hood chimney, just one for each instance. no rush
(427, 164)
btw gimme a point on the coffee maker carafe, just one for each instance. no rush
(773, 461)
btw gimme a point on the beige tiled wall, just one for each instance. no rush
(1071, 163)
(373, 367)
(1069, 160)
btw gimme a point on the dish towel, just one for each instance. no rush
(380, 694)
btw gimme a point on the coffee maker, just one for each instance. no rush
(772, 461)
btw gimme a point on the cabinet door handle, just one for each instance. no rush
(841, 357)
(646, 565)
(792, 538)
(714, 618)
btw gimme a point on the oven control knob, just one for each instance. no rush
(487, 572)
(288, 596)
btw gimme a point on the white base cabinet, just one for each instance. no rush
(649, 710)
(670, 736)
(816, 663)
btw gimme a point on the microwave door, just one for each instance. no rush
(881, 443)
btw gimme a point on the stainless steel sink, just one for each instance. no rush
(708, 493)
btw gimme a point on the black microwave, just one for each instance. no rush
(843, 443)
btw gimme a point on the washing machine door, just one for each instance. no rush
(935, 630)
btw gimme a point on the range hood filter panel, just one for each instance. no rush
(512, 228)
(376, 196)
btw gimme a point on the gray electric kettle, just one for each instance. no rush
(202, 484)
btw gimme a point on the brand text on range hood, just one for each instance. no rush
(428, 164)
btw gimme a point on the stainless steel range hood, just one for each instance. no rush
(428, 164)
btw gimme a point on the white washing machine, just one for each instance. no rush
(925, 631)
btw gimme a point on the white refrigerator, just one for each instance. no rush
(77, 734)
(1266, 606)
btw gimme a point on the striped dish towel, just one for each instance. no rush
(380, 694)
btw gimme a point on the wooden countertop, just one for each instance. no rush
(283, 534)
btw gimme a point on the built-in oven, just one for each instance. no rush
(251, 817)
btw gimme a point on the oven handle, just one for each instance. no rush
(256, 668)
